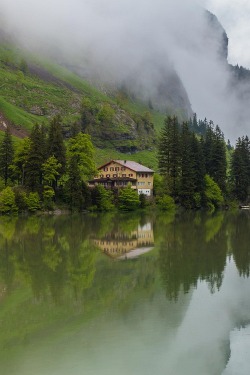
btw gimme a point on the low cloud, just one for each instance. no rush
(140, 38)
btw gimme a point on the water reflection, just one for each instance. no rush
(55, 277)
(192, 250)
(47, 253)
(51, 254)
(122, 244)
(239, 241)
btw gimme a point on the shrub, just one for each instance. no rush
(20, 198)
(33, 202)
(128, 199)
(102, 199)
(166, 203)
(143, 200)
(213, 194)
(48, 195)
(7, 201)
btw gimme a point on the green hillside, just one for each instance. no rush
(34, 91)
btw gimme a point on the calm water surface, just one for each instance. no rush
(125, 294)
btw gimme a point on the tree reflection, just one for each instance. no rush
(240, 236)
(48, 254)
(192, 250)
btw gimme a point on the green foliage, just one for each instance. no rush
(50, 170)
(214, 150)
(36, 157)
(106, 113)
(56, 145)
(48, 195)
(81, 149)
(6, 156)
(20, 161)
(20, 198)
(169, 155)
(33, 201)
(102, 198)
(240, 169)
(7, 201)
(128, 199)
(143, 201)
(213, 194)
(73, 187)
(166, 203)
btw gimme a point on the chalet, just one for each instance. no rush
(120, 173)
(123, 245)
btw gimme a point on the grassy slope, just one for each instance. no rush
(21, 94)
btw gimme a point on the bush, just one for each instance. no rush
(213, 194)
(128, 199)
(102, 199)
(33, 202)
(7, 201)
(143, 200)
(166, 203)
(20, 198)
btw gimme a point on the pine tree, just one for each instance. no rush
(37, 156)
(240, 169)
(219, 162)
(187, 181)
(169, 155)
(6, 156)
(199, 169)
(215, 155)
(56, 146)
(73, 187)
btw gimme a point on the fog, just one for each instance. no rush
(140, 42)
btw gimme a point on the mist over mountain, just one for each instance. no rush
(171, 54)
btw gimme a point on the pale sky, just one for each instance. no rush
(234, 16)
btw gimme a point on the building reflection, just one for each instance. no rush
(127, 245)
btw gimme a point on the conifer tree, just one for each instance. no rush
(56, 145)
(215, 155)
(240, 169)
(37, 156)
(187, 180)
(73, 187)
(199, 169)
(6, 156)
(219, 162)
(169, 155)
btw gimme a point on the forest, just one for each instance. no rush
(196, 169)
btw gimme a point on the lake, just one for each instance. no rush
(127, 294)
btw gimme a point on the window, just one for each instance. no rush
(123, 168)
(111, 169)
(117, 169)
(146, 175)
(123, 175)
(105, 169)
(107, 175)
(149, 183)
(114, 175)
(130, 175)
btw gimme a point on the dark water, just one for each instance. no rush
(123, 294)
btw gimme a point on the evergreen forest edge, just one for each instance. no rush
(43, 172)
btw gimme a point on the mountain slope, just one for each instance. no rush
(34, 91)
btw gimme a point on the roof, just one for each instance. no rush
(133, 165)
(105, 179)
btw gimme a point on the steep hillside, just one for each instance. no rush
(33, 91)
